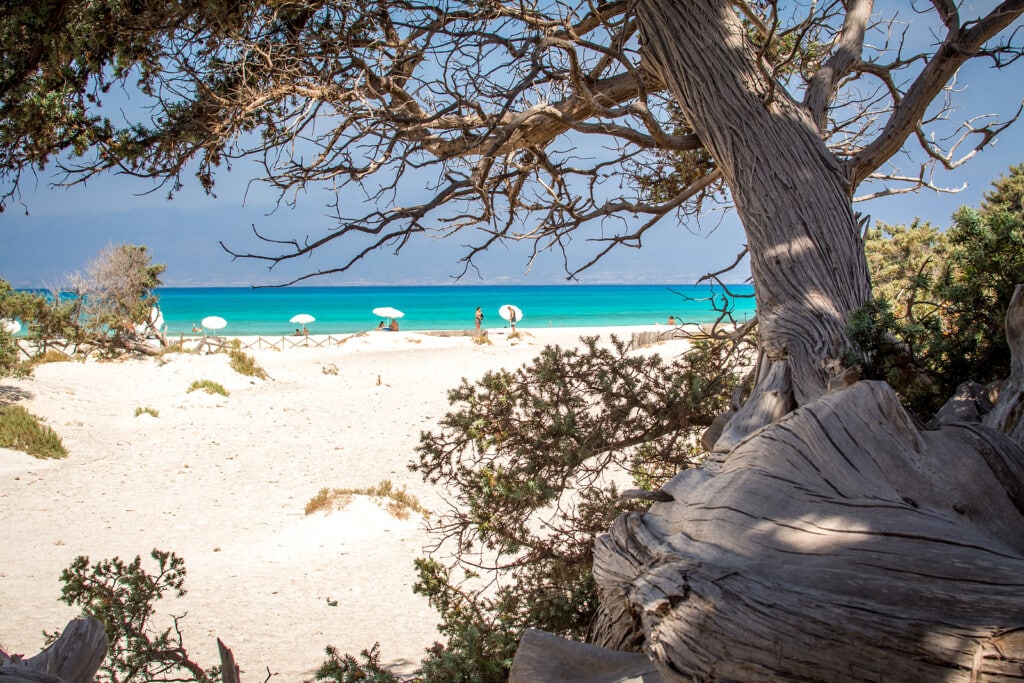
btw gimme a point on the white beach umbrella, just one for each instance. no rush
(302, 319)
(213, 322)
(12, 326)
(507, 310)
(156, 317)
(387, 312)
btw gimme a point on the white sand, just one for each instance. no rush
(223, 483)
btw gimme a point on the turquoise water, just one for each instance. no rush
(348, 309)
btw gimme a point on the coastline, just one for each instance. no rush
(223, 482)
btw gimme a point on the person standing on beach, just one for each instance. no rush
(512, 319)
(479, 317)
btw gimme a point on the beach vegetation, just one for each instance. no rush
(50, 356)
(398, 501)
(11, 362)
(535, 461)
(787, 112)
(174, 347)
(345, 668)
(99, 309)
(146, 411)
(117, 293)
(20, 430)
(45, 318)
(122, 596)
(938, 318)
(244, 364)
(209, 386)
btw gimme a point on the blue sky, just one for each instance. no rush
(58, 231)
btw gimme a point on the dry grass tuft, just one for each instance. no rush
(398, 502)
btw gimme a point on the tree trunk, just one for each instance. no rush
(832, 539)
(73, 658)
(806, 255)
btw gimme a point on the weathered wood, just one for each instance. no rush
(1008, 413)
(841, 544)
(73, 658)
(545, 658)
(970, 403)
(229, 671)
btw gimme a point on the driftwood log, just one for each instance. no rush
(843, 542)
(73, 658)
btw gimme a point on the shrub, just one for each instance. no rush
(400, 502)
(346, 669)
(209, 386)
(22, 431)
(526, 457)
(10, 363)
(49, 356)
(147, 411)
(244, 364)
(121, 596)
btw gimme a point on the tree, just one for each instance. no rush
(948, 292)
(118, 292)
(787, 106)
(47, 318)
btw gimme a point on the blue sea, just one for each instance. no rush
(337, 310)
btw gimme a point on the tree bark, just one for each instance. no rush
(832, 539)
(1008, 414)
(841, 544)
(73, 658)
(807, 259)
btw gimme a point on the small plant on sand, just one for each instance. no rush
(346, 669)
(22, 431)
(147, 411)
(399, 502)
(482, 339)
(176, 347)
(121, 595)
(49, 356)
(209, 386)
(244, 364)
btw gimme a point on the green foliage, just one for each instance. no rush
(480, 645)
(10, 356)
(209, 386)
(147, 411)
(905, 263)
(532, 460)
(22, 431)
(985, 262)
(951, 291)
(46, 318)
(118, 294)
(244, 364)
(346, 669)
(121, 595)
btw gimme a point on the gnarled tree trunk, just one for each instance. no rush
(73, 658)
(831, 538)
(806, 255)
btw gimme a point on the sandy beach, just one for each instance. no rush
(223, 482)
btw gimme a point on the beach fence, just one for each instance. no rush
(214, 344)
(640, 340)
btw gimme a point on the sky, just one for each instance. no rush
(54, 232)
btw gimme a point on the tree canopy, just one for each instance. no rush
(541, 121)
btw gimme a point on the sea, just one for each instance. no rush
(269, 311)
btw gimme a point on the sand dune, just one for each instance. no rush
(223, 482)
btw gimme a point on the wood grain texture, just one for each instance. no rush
(73, 658)
(840, 544)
